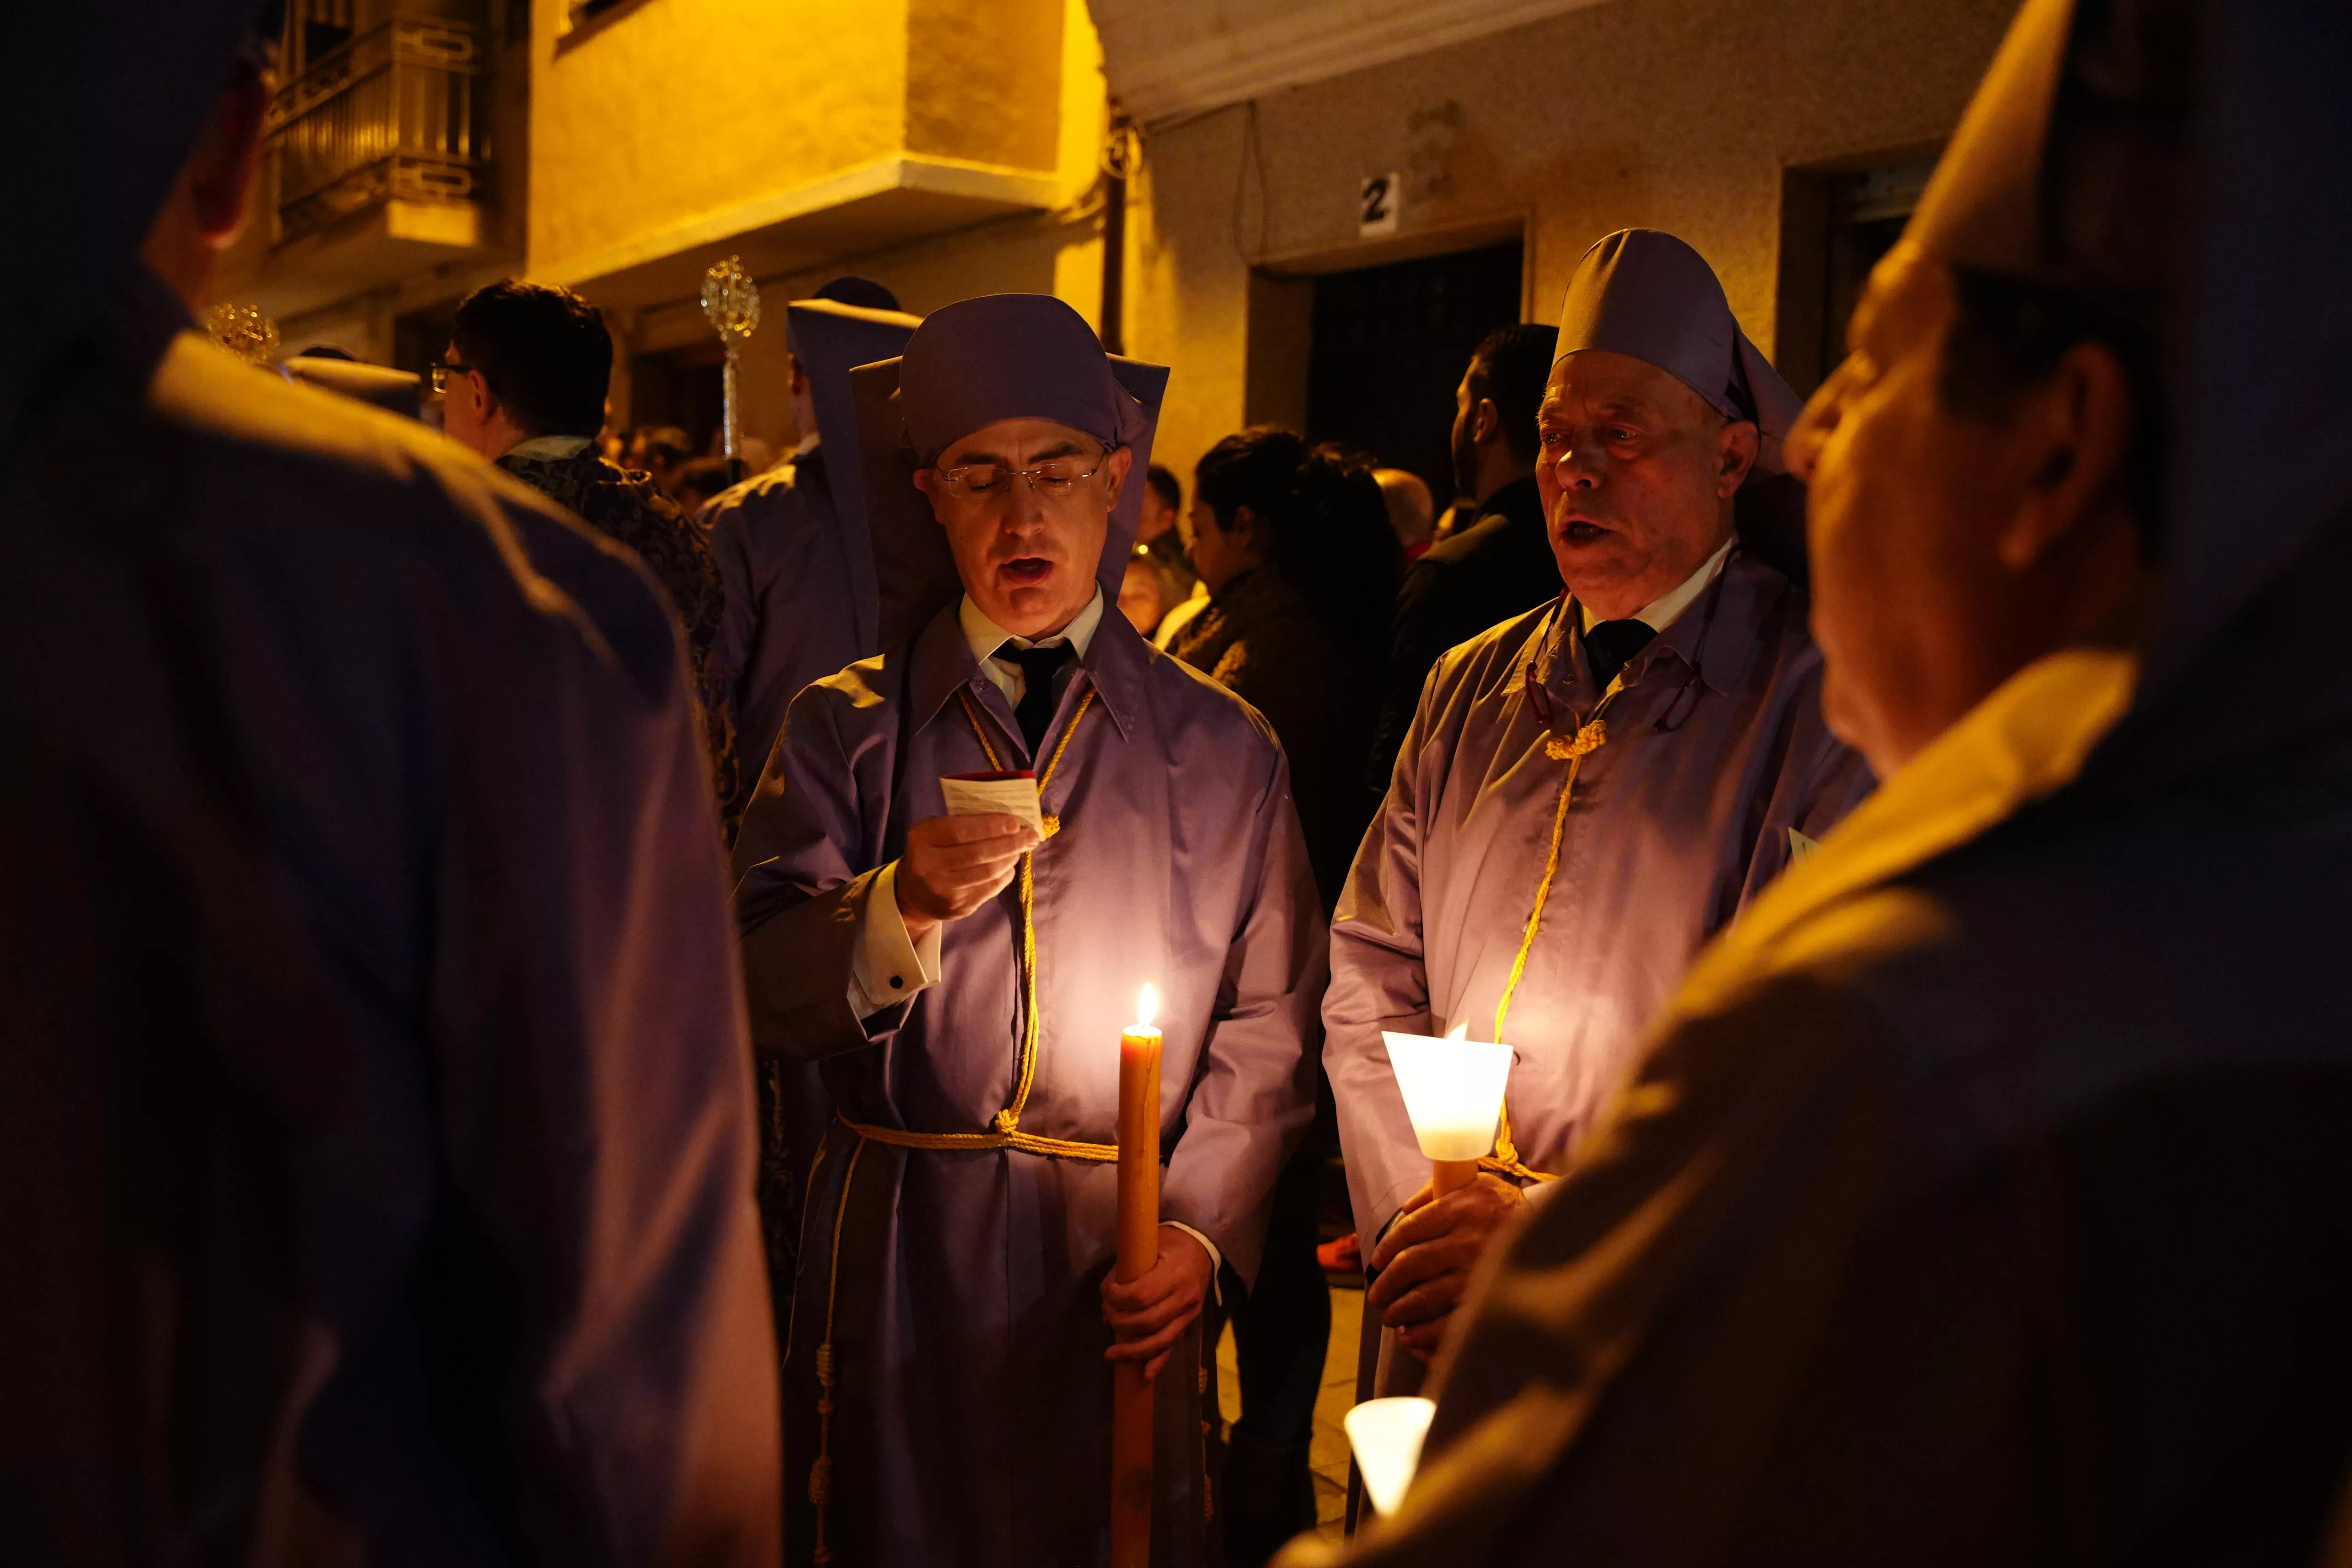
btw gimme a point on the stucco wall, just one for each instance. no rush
(674, 112)
(1679, 114)
(1676, 114)
(670, 113)
(1055, 252)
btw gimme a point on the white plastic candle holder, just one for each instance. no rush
(1387, 1435)
(1453, 1090)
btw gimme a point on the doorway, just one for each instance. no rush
(1387, 348)
(1835, 224)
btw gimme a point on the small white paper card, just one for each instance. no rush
(1799, 845)
(978, 794)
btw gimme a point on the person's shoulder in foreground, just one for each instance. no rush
(1981, 1197)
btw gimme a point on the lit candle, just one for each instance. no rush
(1387, 1435)
(1453, 1092)
(1139, 1250)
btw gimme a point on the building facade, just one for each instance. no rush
(1324, 202)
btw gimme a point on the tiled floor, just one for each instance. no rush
(1329, 1455)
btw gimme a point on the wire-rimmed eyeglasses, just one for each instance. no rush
(1055, 479)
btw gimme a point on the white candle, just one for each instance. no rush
(1387, 1435)
(1139, 1250)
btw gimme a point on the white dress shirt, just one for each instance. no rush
(1667, 607)
(556, 448)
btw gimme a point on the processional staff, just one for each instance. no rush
(731, 302)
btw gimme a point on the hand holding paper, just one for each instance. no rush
(952, 865)
(979, 795)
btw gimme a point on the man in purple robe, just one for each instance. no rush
(965, 982)
(1984, 1195)
(375, 1137)
(792, 542)
(798, 568)
(1590, 791)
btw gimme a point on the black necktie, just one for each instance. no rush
(1034, 711)
(1610, 645)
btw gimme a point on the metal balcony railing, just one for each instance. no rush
(400, 113)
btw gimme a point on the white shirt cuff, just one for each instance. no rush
(1216, 1258)
(888, 966)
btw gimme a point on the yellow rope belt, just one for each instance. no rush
(1589, 738)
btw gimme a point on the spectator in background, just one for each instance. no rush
(1141, 595)
(1163, 504)
(1294, 547)
(1179, 585)
(696, 482)
(1500, 564)
(615, 444)
(523, 384)
(1412, 513)
(661, 450)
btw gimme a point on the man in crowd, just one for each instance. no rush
(1497, 565)
(794, 556)
(375, 1107)
(1984, 1195)
(792, 543)
(524, 381)
(1181, 588)
(1164, 505)
(965, 982)
(1590, 791)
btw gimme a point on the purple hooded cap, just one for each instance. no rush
(1011, 356)
(830, 340)
(1649, 294)
(1003, 356)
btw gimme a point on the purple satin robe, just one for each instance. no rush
(971, 1411)
(1716, 749)
(791, 615)
(378, 1141)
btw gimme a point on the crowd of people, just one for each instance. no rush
(516, 1045)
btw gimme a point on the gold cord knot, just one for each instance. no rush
(1051, 823)
(821, 1481)
(1589, 739)
(1008, 1121)
(825, 1364)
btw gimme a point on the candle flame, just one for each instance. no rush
(1459, 1032)
(1147, 1007)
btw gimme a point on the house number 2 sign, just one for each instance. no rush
(1377, 201)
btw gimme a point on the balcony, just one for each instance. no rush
(398, 114)
(377, 170)
(669, 133)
